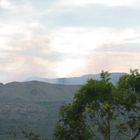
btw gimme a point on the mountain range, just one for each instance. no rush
(33, 105)
(76, 80)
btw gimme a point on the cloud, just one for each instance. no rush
(27, 53)
(66, 51)
(77, 40)
(111, 3)
(98, 61)
(113, 62)
(90, 50)
(57, 13)
(94, 16)
(89, 2)
(6, 5)
(67, 37)
(124, 47)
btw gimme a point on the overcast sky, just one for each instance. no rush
(62, 38)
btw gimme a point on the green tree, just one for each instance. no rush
(101, 111)
(131, 84)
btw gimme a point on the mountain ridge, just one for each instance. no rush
(77, 80)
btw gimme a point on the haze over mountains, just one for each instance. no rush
(76, 80)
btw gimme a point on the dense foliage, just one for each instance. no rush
(103, 111)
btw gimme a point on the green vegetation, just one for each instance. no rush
(103, 111)
(32, 106)
(32, 136)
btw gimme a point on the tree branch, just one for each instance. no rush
(137, 134)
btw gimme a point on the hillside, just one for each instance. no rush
(31, 105)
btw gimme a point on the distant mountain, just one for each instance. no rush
(77, 80)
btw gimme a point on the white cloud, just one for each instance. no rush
(79, 40)
(80, 45)
(24, 53)
(111, 61)
(84, 40)
(34, 49)
(62, 5)
(6, 5)
(88, 2)
(28, 48)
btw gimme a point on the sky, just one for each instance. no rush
(66, 38)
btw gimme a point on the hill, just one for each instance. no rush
(32, 106)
